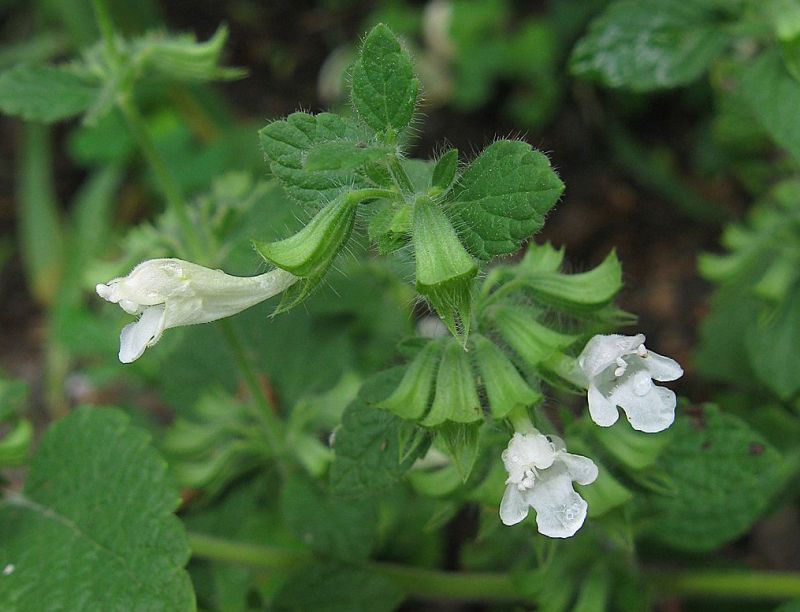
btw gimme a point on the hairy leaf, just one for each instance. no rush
(290, 143)
(502, 198)
(723, 474)
(94, 528)
(650, 44)
(44, 93)
(384, 89)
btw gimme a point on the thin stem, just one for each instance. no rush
(435, 584)
(360, 195)
(273, 427)
(165, 181)
(415, 581)
(729, 584)
(106, 26)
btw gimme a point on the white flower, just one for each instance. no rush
(172, 292)
(540, 475)
(620, 372)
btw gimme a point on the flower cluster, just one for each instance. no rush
(617, 371)
(168, 293)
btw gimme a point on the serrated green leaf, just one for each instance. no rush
(502, 198)
(723, 473)
(44, 93)
(650, 44)
(343, 529)
(373, 450)
(332, 588)
(772, 94)
(288, 143)
(94, 527)
(384, 88)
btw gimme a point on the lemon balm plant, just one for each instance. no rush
(503, 399)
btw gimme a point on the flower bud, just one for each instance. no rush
(444, 268)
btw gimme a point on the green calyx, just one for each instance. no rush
(411, 397)
(310, 252)
(506, 389)
(456, 397)
(536, 343)
(444, 269)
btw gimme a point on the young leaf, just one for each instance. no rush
(44, 93)
(94, 527)
(384, 88)
(444, 173)
(723, 473)
(373, 450)
(288, 143)
(343, 155)
(502, 198)
(344, 529)
(333, 588)
(650, 44)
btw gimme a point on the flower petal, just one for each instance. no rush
(560, 511)
(136, 337)
(513, 507)
(662, 368)
(581, 469)
(651, 412)
(602, 411)
(602, 351)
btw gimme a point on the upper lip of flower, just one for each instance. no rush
(620, 371)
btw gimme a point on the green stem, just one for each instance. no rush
(165, 181)
(106, 26)
(272, 425)
(360, 195)
(415, 581)
(729, 584)
(440, 585)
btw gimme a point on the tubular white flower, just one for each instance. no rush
(540, 476)
(620, 372)
(171, 292)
